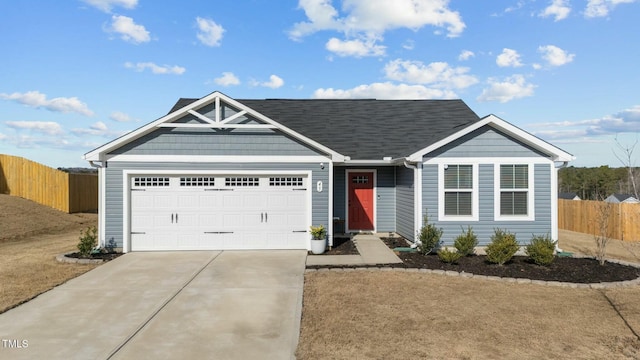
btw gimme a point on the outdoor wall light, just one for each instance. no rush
(322, 166)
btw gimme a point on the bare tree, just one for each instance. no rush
(624, 154)
(602, 233)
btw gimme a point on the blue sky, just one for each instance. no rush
(75, 74)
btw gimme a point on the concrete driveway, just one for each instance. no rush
(164, 305)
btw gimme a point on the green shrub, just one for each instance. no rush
(502, 247)
(88, 241)
(541, 250)
(466, 242)
(448, 256)
(429, 236)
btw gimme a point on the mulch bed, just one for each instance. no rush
(343, 246)
(563, 269)
(105, 256)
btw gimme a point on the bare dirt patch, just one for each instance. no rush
(20, 218)
(31, 236)
(400, 315)
(343, 246)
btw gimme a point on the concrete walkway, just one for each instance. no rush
(372, 251)
(167, 305)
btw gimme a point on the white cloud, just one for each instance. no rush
(45, 127)
(129, 31)
(555, 56)
(227, 79)
(625, 121)
(274, 82)
(438, 74)
(376, 16)
(107, 5)
(97, 129)
(209, 33)
(120, 116)
(385, 90)
(466, 55)
(559, 9)
(37, 99)
(508, 57)
(601, 8)
(513, 87)
(409, 45)
(156, 69)
(356, 48)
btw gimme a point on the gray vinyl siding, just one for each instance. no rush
(385, 211)
(485, 142)
(486, 224)
(386, 199)
(405, 202)
(198, 141)
(114, 188)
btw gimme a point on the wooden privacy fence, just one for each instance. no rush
(582, 216)
(47, 186)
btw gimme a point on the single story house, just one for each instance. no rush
(568, 196)
(220, 173)
(621, 198)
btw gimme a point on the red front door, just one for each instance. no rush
(360, 201)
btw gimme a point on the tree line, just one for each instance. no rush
(597, 183)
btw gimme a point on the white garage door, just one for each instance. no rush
(219, 212)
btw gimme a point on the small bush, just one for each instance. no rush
(466, 242)
(541, 250)
(448, 256)
(88, 241)
(429, 236)
(502, 247)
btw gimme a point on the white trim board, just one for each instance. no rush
(216, 97)
(555, 153)
(218, 158)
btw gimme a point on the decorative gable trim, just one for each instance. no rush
(218, 122)
(555, 154)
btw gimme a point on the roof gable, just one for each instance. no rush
(554, 153)
(214, 111)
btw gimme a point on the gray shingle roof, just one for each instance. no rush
(366, 129)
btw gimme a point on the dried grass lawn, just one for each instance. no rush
(31, 236)
(401, 315)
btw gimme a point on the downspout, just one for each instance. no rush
(416, 210)
(561, 166)
(101, 213)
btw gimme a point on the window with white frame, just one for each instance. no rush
(458, 190)
(514, 187)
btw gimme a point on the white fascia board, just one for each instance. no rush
(556, 154)
(218, 158)
(98, 153)
(368, 162)
(334, 155)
